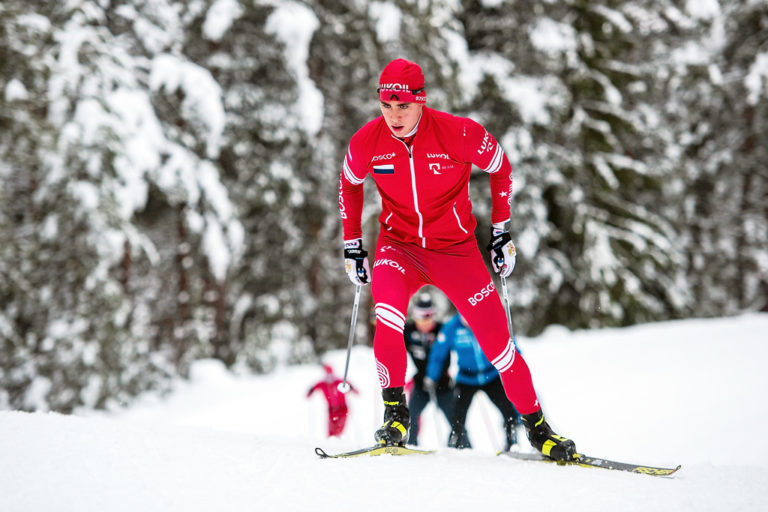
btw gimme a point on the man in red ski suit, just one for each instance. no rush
(337, 402)
(420, 160)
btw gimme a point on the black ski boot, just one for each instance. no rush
(510, 432)
(547, 442)
(459, 438)
(394, 431)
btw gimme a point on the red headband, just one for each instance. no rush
(402, 80)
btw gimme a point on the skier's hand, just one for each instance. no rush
(502, 251)
(356, 262)
(428, 385)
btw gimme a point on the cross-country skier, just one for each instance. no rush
(420, 160)
(337, 402)
(420, 336)
(475, 373)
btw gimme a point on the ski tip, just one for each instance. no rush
(372, 451)
(656, 471)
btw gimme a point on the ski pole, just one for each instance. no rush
(344, 387)
(509, 317)
(505, 293)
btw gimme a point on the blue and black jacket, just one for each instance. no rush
(474, 368)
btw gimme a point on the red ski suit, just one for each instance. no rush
(427, 235)
(337, 404)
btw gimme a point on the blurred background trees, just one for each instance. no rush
(169, 171)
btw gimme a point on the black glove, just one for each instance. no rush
(356, 262)
(502, 252)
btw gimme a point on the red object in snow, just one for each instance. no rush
(337, 401)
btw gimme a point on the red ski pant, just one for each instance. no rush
(400, 269)
(337, 419)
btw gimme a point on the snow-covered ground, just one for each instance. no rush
(690, 392)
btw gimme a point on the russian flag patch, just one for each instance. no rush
(384, 169)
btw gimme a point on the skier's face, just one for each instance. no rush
(401, 117)
(425, 324)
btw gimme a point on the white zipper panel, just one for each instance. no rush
(415, 194)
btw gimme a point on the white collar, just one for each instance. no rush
(415, 128)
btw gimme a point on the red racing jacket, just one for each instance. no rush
(424, 188)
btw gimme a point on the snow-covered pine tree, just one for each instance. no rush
(68, 340)
(596, 243)
(717, 106)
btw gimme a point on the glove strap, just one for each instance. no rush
(498, 228)
(357, 243)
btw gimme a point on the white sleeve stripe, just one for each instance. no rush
(350, 175)
(495, 164)
(504, 361)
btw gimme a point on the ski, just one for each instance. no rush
(595, 462)
(373, 451)
(582, 460)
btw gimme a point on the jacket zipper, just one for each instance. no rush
(415, 194)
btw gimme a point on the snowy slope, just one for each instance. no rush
(689, 392)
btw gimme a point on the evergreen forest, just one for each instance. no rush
(169, 172)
